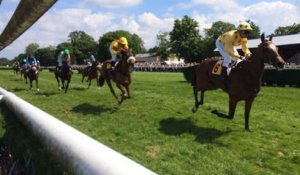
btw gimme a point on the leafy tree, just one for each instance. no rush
(134, 42)
(82, 44)
(185, 39)
(164, 45)
(4, 61)
(255, 33)
(32, 48)
(20, 57)
(287, 30)
(217, 29)
(46, 56)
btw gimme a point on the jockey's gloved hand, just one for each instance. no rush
(124, 52)
(242, 58)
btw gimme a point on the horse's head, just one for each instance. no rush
(128, 57)
(270, 52)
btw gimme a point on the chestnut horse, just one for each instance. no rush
(121, 75)
(244, 80)
(63, 76)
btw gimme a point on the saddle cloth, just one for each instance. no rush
(217, 69)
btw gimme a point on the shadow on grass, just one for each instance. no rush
(220, 115)
(86, 108)
(78, 88)
(47, 94)
(173, 126)
(18, 89)
(17, 79)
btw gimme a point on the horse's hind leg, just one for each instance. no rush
(37, 84)
(196, 100)
(128, 91)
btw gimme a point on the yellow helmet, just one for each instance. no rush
(244, 26)
(123, 40)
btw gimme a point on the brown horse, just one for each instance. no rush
(33, 74)
(244, 80)
(91, 72)
(63, 76)
(16, 68)
(121, 75)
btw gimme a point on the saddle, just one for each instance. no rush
(217, 69)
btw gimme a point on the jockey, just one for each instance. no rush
(31, 61)
(66, 59)
(91, 60)
(59, 60)
(24, 64)
(116, 47)
(226, 46)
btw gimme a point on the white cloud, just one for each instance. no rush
(271, 15)
(56, 24)
(112, 3)
(216, 4)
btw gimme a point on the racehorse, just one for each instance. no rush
(63, 76)
(244, 80)
(91, 72)
(32, 74)
(16, 68)
(121, 75)
(23, 73)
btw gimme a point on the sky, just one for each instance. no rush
(146, 18)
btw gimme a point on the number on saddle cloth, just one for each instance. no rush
(217, 69)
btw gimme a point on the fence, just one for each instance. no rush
(77, 152)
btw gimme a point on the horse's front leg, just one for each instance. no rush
(197, 103)
(122, 93)
(248, 105)
(128, 91)
(90, 82)
(111, 88)
(37, 84)
(232, 107)
(30, 82)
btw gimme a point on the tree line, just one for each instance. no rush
(184, 41)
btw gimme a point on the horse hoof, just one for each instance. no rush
(38, 90)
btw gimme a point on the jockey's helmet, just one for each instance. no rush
(66, 52)
(244, 26)
(123, 40)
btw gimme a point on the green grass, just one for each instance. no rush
(157, 129)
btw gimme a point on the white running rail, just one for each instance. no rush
(76, 151)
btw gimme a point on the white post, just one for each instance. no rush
(76, 151)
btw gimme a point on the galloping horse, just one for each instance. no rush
(63, 76)
(91, 73)
(16, 68)
(121, 75)
(33, 74)
(244, 80)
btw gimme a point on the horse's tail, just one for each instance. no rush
(190, 74)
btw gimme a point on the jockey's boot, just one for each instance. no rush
(113, 63)
(225, 77)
